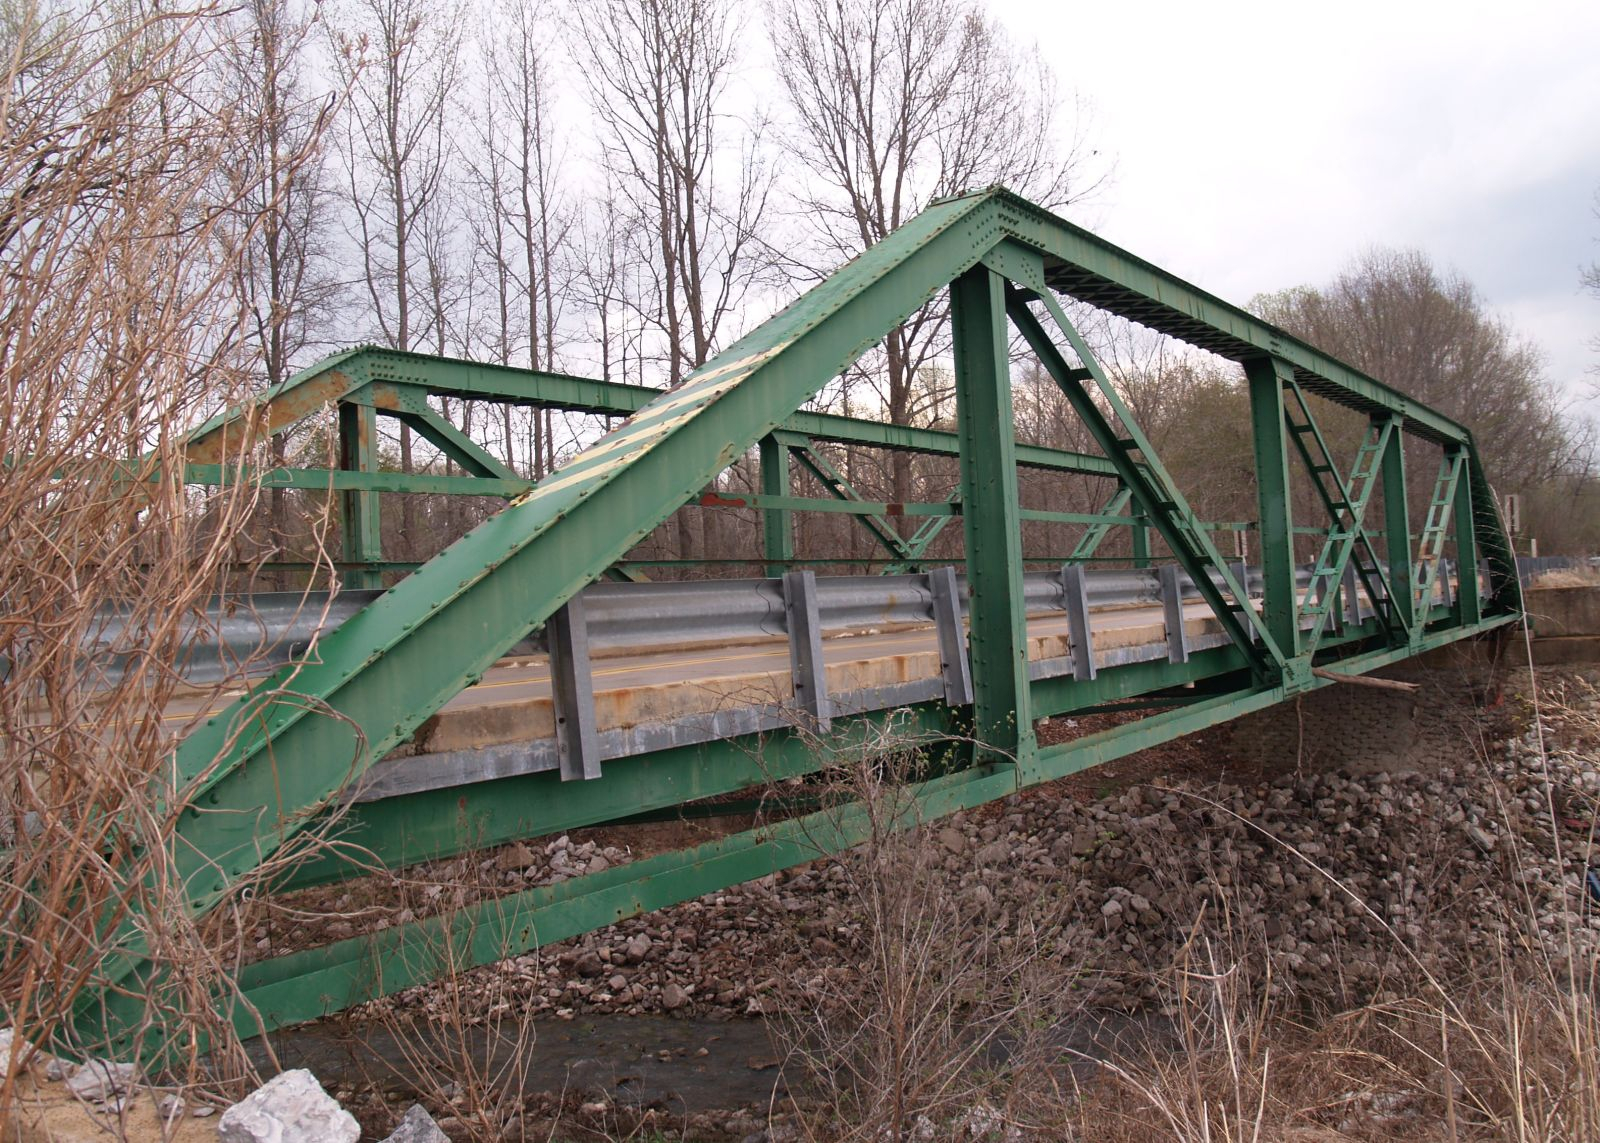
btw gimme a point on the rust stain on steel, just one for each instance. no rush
(269, 417)
(717, 500)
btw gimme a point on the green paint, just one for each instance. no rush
(998, 638)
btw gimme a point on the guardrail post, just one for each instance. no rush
(1352, 598)
(954, 667)
(1076, 588)
(1241, 572)
(806, 664)
(1172, 613)
(572, 686)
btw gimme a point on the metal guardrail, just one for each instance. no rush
(800, 608)
(263, 631)
(1530, 568)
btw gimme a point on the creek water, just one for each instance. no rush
(683, 1065)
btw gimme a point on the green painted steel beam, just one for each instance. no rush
(991, 517)
(777, 525)
(360, 526)
(340, 377)
(1153, 492)
(875, 522)
(918, 542)
(1101, 520)
(1397, 533)
(306, 985)
(1468, 594)
(1090, 269)
(339, 480)
(1141, 541)
(409, 405)
(1109, 517)
(404, 830)
(255, 776)
(866, 508)
(1280, 606)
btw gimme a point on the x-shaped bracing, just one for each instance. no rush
(1149, 483)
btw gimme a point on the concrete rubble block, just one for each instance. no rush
(9, 1040)
(101, 1079)
(289, 1108)
(417, 1126)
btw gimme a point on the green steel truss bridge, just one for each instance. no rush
(343, 731)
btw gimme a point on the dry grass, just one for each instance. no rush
(120, 327)
(1568, 577)
(1500, 1043)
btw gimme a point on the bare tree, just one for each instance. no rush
(527, 215)
(659, 73)
(120, 328)
(401, 60)
(287, 277)
(896, 103)
(1392, 314)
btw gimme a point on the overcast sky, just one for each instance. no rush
(1261, 145)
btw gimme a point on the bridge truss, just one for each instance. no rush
(292, 747)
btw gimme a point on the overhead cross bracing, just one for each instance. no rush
(290, 748)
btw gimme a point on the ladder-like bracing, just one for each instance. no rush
(290, 748)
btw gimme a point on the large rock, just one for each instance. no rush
(101, 1079)
(289, 1108)
(417, 1126)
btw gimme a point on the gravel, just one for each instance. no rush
(1339, 878)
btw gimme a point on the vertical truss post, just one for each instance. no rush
(1172, 613)
(1397, 531)
(1141, 542)
(1280, 602)
(572, 686)
(954, 668)
(991, 518)
(1075, 599)
(806, 665)
(776, 525)
(1469, 599)
(359, 522)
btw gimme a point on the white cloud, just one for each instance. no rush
(1262, 145)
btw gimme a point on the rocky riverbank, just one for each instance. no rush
(1345, 881)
